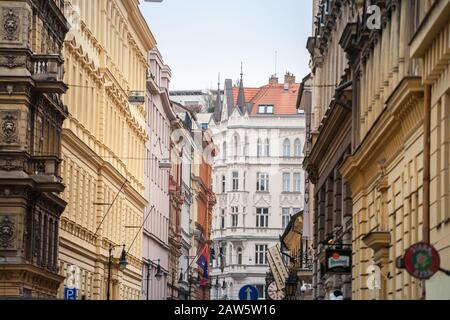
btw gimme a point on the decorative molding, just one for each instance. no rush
(10, 24)
(7, 233)
(9, 126)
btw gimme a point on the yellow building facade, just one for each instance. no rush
(431, 46)
(399, 180)
(103, 146)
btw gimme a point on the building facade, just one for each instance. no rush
(185, 143)
(31, 119)
(156, 227)
(176, 202)
(204, 201)
(258, 180)
(104, 142)
(329, 143)
(380, 95)
(399, 165)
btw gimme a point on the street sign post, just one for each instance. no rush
(248, 293)
(70, 293)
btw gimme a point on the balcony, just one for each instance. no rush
(47, 71)
(44, 171)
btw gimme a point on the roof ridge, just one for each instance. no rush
(262, 90)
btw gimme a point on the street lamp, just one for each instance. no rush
(217, 285)
(158, 274)
(291, 286)
(122, 265)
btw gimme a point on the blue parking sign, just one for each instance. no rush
(70, 294)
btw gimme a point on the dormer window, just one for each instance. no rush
(265, 109)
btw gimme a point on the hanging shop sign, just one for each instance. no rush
(277, 266)
(422, 261)
(338, 261)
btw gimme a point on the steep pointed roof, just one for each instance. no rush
(241, 95)
(229, 96)
(218, 105)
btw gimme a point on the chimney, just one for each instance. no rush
(289, 78)
(273, 79)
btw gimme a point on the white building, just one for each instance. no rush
(156, 226)
(258, 180)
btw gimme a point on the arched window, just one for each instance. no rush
(224, 151)
(259, 148)
(239, 256)
(298, 148)
(224, 184)
(246, 146)
(286, 148)
(236, 145)
(267, 148)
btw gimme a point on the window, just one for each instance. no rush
(204, 126)
(243, 181)
(259, 148)
(262, 217)
(286, 148)
(224, 151)
(260, 254)
(235, 181)
(222, 219)
(234, 216)
(224, 184)
(261, 291)
(262, 182)
(297, 182)
(239, 256)
(267, 148)
(286, 182)
(246, 145)
(265, 109)
(286, 217)
(236, 145)
(296, 210)
(297, 148)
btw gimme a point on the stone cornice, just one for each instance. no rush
(388, 134)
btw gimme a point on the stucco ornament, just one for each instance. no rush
(9, 128)
(11, 25)
(7, 233)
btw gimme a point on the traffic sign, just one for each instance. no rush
(70, 293)
(422, 261)
(248, 293)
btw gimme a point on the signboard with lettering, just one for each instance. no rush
(276, 275)
(338, 261)
(70, 293)
(279, 270)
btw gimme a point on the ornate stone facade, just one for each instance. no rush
(31, 118)
(103, 147)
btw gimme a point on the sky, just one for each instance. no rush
(200, 38)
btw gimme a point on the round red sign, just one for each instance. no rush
(422, 261)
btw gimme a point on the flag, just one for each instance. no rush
(202, 262)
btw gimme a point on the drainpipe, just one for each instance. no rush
(426, 172)
(426, 164)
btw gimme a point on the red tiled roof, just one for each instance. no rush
(249, 94)
(284, 102)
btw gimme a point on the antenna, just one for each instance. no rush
(242, 73)
(276, 62)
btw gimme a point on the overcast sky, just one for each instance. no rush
(199, 38)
